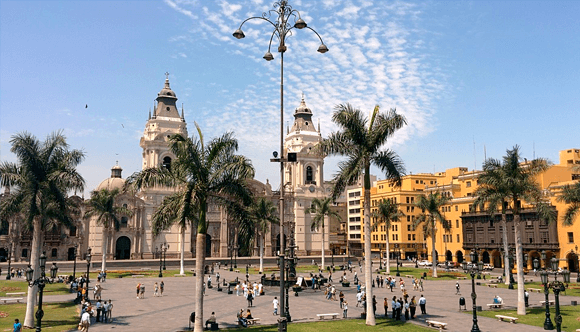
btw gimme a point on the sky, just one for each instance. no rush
(472, 78)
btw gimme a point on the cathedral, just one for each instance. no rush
(134, 239)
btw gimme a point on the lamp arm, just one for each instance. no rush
(322, 42)
(261, 18)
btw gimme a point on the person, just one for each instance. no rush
(241, 319)
(497, 300)
(142, 291)
(17, 326)
(211, 320)
(413, 307)
(155, 289)
(344, 309)
(526, 297)
(422, 304)
(85, 321)
(407, 306)
(110, 311)
(398, 309)
(374, 304)
(386, 305)
(104, 313)
(421, 285)
(341, 298)
(457, 288)
(138, 288)
(249, 314)
(209, 281)
(99, 310)
(217, 277)
(161, 287)
(250, 298)
(358, 298)
(275, 304)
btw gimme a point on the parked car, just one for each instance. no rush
(425, 263)
(515, 270)
(487, 267)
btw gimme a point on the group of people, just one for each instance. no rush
(102, 311)
(158, 289)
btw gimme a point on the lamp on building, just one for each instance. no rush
(279, 18)
(41, 282)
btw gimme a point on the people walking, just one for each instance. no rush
(386, 305)
(344, 309)
(155, 289)
(422, 304)
(275, 305)
(457, 288)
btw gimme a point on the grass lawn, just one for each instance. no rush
(573, 288)
(347, 325)
(418, 273)
(22, 286)
(57, 316)
(536, 316)
(146, 273)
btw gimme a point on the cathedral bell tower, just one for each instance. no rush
(304, 179)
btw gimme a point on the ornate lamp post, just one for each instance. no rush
(159, 252)
(88, 266)
(557, 287)
(231, 249)
(236, 256)
(279, 18)
(544, 276)
(8, 276)
(164, 247)
(41, 282)
(475, 268)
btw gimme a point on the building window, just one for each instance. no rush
(72, 231)
(167, 163)
(468, 184)
(408, 237)
(457, 238)
(457, 223)
(570, 237)
(407, 200)
(309, 176)
(409, 228)
(124, 221)
(24, 253)
(53, 253)
(413, 237)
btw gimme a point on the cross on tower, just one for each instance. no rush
(166, 75)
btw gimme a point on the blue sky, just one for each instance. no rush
(467, 75)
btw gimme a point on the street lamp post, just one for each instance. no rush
(159, 252)
(88, 266)
(578, 270)
(279, 18)
(544, 276)
(557, 287)
(231, 249)
(236, 257)
(41, 282)
(8, 276)
(75, 261)
(165, 246)
(476, 268)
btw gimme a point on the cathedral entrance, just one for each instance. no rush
(123, 248)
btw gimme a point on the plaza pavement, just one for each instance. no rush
(171, 312)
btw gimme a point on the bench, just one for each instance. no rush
(551, 302)
(16, 294)
(137, 275)
(506, 318)
(462, 278)
(320, 316)
(433, 323)
(495, 305)
(535, 290)
(145, 269)
(528, 280)
(410, 276)
(253, 321)
(16, 299)
(494, 281)
(492, 285)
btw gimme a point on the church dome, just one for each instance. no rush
(115, 181)
(302, 108)
(166, 91)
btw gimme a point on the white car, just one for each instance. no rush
(424, 263)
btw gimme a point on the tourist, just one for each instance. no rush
(241, 319)
(138, 288)
(413, 307)
(17, 326)
(344, 309)
(99, 310)
(85, 321)
(457, 288)
(110, 311)
(394, 307)
(275, 304)
(142, 291)
(161, 287)
(155, 289)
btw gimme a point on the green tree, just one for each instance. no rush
(263, 213)
(200, 174)
(510, 182)
(571, 196)
(102, 207)
(430, 206)
(44, 174)
(321, 208)
(361, 139)
(387, 212)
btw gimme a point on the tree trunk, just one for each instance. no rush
(35, 263)
(388, 265)
(370, 320)
(104, 249)
(434, 251)
(520, 266)
(182, 259)
(262, 240)
(322, 265)
(199, 279)
(506, 259)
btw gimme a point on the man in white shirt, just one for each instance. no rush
(85, 321)
(422, 304)
(275, 304)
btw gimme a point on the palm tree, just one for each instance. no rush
(361, 141)
(321, 208)
(571, 196)
(510, 182)
(200, 174)
(263, 213)
(43, 176)
(102, 206)
(387, 212)
(430, 206)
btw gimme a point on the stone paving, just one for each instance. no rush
(171, 312)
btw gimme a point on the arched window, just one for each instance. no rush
(124, 222)
(167, 163)
(309, 175)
